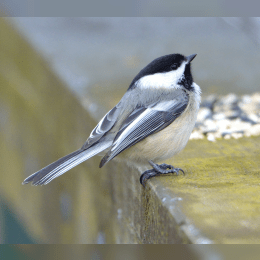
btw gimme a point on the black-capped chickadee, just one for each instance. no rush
(152, 122)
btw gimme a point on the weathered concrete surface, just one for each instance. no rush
(40, 121)
(221, 188)
(216, 201)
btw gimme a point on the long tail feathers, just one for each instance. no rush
(55, 169)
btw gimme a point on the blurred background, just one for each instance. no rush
(106, 53)
(96, 59)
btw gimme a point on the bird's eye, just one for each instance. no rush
(174, 66)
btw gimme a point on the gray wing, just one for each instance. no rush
(144, 121)
(105, 124)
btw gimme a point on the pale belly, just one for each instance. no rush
(164, 144)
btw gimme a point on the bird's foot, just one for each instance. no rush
(161, 169)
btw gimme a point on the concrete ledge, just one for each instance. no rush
(217, 201)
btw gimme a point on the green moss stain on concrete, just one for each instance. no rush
(220, 192)
(40, 121)
(216, 201)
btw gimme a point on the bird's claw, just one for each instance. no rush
(165, 166)
(161, 169)
(147, 175)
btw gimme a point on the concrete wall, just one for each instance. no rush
(41, 121)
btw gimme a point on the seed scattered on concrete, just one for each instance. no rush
(228, 117)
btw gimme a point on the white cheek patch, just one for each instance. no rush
(162, 80)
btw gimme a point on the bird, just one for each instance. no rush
(151, 123)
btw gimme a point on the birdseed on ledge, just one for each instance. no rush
(228, 117)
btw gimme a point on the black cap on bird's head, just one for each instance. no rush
(166, 64)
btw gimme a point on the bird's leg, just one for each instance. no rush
(158, 170)
(162, 168)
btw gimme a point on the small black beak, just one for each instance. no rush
(191, 57)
